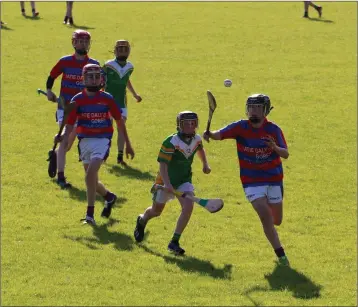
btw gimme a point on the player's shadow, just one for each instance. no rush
(287, 278)
(320, 20)
(80, 27)
(33, 17)
(102, 235)
(194, 265)
(131, 172)
(5, 27)
(81, 195)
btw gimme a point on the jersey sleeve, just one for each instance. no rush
(231, 131)
(166, 151)
(73, 115)
(113, 109)
(57, 70)
(200, 142)
(281, 142)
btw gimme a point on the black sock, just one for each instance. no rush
(61, 176)
(120, 155)
(90, 211)
(33, 10)
(280, 252)
(176, 237)
(108, 196)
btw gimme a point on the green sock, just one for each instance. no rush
(176, 237)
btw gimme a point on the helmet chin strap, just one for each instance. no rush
(93, 89)
(185, 135)
(121, 58)
(81, 52)
(254, 120)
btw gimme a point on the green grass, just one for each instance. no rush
(307, 67)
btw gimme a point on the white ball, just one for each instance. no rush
(227, 82)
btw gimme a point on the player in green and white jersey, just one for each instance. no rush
(175, 159)
(118, 72)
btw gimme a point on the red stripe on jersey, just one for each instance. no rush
(247, 180)
(262, 167)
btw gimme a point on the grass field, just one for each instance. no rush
(179, 50)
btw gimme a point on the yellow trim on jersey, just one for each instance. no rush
(166, 150)
(159, 180)
(164, 156)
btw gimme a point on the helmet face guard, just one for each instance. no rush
(122, 50)
(258, 102)
(92, 77)
(187, 123)
(81, 41)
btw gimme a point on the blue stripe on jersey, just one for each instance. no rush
(72, 84)
(256, 143)
(261, 174)
(73, 71)
(93, 61)
(252, 158)
(100, 136)
(106, 95)
(93, 108)
(66, 58)
(232, 125)
(95, 123)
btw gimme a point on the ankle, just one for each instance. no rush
(280, 252)
(61, 176)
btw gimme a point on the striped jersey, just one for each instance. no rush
(93, 115)
(259, 164)
(71, 70)
(179, 155)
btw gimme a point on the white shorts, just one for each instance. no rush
(93, 148)
(161, 196)
(124, 112)
(59, 117)
(274, 193)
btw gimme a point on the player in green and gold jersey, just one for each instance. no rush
(175, 159)
(118, 72)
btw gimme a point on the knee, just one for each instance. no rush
(277, 221)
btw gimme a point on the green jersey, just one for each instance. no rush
(117, 77)
(179, 155)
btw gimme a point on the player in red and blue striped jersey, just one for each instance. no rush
(93, 110)
(260, 147)
(70, 67)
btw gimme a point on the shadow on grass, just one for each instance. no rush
(286, 278)
(5, 27)
(193, 265)
(33, 17)
(102, 235)
(129, 171)
(80, 27)
(81, 195)
(320, 20)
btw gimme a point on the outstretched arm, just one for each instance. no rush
(215, 135)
